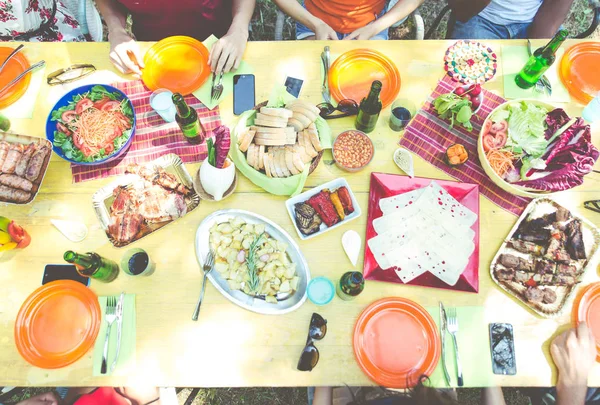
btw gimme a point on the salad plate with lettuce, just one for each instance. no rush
(530, 148)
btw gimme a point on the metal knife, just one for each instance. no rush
(325, 86)
(119, 330)
(443, 330)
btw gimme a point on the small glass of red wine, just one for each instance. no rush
(136, 262)
(402, 112)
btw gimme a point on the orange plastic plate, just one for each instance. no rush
(57, 324)
(15, 66)
(587, 309)
(396, 342)
(179, 64)
(351, 75)
(579, 71)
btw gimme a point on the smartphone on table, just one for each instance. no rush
(243, 93)
(502, 345)
(53, 272)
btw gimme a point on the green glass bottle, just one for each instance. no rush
(93, 265)
(540, 61)
(350, 285)
(369, 110)
(188, 121)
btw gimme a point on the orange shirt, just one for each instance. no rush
(345, 16)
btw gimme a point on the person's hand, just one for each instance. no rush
(324, 32)
(43, 399)
(226, 53)
(125, 53)
(366, 32)
(574, 353)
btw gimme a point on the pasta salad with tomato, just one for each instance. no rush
(93, 126)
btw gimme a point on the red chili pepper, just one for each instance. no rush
(531, 283)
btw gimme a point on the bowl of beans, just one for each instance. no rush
(352, 150)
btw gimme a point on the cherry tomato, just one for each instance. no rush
(60, 127)
(68, 116)
(459, 91)
(83, 105)
(475, 103)
(111, 106)
(476, 89)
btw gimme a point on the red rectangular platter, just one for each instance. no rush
(388, 185)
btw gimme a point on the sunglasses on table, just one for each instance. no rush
(310, 355)
(346, 107)
(70, 74)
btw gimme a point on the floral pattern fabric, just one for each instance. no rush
(18, 17)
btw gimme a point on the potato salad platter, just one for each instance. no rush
(257, 264)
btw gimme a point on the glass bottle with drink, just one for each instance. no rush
(93, 265)
(350, 285)
(187, 119)
(540, 61)
(369, 109)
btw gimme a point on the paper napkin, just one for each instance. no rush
(127, 360)
(513, 59)
(203, 93)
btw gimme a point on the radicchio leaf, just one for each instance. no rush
(554, 120)
(222, 145)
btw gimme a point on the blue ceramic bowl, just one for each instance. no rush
(64, 100)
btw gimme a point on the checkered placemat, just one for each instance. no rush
(153, 137)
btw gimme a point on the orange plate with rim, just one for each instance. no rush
(587, 309)
(351, 75)
(396, 341)
(57, 324)
(579, 71)
(15, 66)
(179, 64)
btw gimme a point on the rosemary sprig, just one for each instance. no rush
(251, 263)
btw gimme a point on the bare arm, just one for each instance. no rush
(304, 17)
(124, 52)
(323, 396)
(464, 10)
(226, 54)
(492, 396)
(400, 10)
(550, 16)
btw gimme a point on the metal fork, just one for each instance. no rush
(207, 267)
(111, 316)
(542, 85)
(212, 87)
(453, 330)
(218, 89)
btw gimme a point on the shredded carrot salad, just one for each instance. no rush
(97, 129)
(500, 160)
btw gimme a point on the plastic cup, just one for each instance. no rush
(136, 262)
(320, 290)
(591, 112)
(162, 102)
(401, 113)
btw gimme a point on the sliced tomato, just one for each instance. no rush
(83, 105)
(68, 116)
(501, 126)
(110, 148)
(100, 103)
(60, 127)
(111, 106)
(124, 121)
(116, 133)
(491, 142)
(77, 141)
(19, 235)
(486, 127)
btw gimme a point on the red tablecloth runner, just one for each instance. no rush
(428, 136)
(153, 137)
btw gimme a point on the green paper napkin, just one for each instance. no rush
(473, 347)
(513, 59)
(289, 186)
(203, 93)
(126, 361)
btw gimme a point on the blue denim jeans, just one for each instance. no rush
(480, 28)
(302, 31)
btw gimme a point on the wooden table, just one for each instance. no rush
(230, 346)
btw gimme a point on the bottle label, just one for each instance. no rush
(191, 130)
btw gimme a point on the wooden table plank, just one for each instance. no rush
(230, 346)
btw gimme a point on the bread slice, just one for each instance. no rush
(302, 153)
(292, 137)
(270, 123)
(298, 162)
(275, 163)
(296, 124)
(269, 130)
(270, 142)
(282, 162)
(276, 112)
(271, 117)
(289, 162)
(246, 139)
(261, 157)
(310, 150)
(303, 119)
(300, 108)
(305, 104)
(266, 164)
(313, 136)
(250, 154)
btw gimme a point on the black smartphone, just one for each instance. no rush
(293, 86)
(243, 93)
(502, 344)
(54, 272)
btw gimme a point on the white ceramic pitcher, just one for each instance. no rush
(216, 181)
